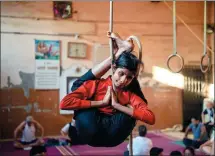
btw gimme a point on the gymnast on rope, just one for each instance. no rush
(103, 118)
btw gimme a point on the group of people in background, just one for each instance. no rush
(203, 135)
(203, 132)
(142, 145)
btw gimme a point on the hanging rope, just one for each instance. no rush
(111, 30)
(205, 42)
(134, 38)
(112, 62)
(187, 26)
(174, 43)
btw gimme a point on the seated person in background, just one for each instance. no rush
(155, 151)
(208, 115)
(69, 133)
(38, 151)
(210, 144)
(175, 153)
(189, 151)
(199, 133)
(141, 144)
(28, 129)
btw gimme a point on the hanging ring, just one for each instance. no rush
(205, 42)
(181, 62)
(208, 63)
(139, 51)
(174, 43)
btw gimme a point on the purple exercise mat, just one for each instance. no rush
(6, 148)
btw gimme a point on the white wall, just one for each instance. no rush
(17, 54)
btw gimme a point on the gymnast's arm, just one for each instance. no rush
(119, 46)
(139, 109)
(79, 99)
(96, 72)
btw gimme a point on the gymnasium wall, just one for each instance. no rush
(151, 22)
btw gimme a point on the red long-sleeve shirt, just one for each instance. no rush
(97, 89)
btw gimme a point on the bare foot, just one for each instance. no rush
(127, 44)
(18, 145)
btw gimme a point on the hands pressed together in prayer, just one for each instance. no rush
(110, 97)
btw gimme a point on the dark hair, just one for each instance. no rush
(129, 61)
(175, 153)
(196, 118)
(155, 151)
(134, 86)
(37, 150)
(142, 130)
(191, 149)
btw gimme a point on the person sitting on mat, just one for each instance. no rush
(28, 129)
(141, 144)
(102, 118)
(199, 133)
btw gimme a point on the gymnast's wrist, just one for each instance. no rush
(96, 103)
(116, 105)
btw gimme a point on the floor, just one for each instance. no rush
(159, 140)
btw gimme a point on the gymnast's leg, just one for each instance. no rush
(87, 124)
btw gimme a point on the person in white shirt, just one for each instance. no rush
(28, 129)
(141, 144)
(69, 133)
(208, 115)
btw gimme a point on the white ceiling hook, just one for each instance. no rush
(76, 36)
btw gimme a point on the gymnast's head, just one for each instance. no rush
(125, 69)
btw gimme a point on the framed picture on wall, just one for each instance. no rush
(47, 50)
(69, 83)
(62, 9)
(77, 50)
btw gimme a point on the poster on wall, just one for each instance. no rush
(47, 68)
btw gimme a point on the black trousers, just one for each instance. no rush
(195, 144)
(73, 134)
(208, 129)
(101, 130)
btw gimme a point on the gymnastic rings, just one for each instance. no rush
(205, 42)
(181, 62)
(135, 38)
(174, 42)
(204, 70)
